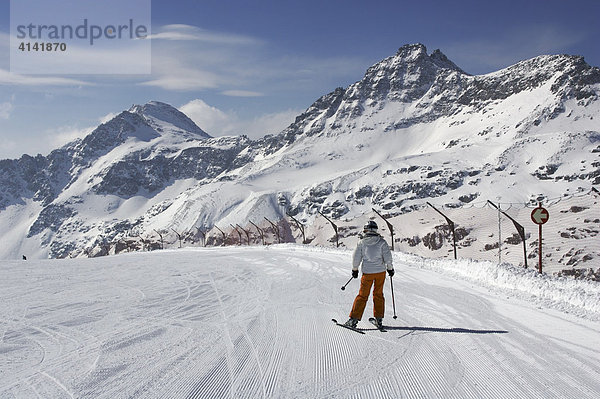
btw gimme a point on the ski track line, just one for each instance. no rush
(187, 379)
(215, 384)
(451, 372)
(242, 369)
(275, 358)
(58, 383)
(564, 381)
(221, 373)
(423, 373)
(30, 385)
(285, 359)
(212, 366)
(46, 386)
(174, 372)
(53, 349)
(376, 350)
(47, 361)
(250, 374)
(123, 378)
(478, 366)
(338, 355)
(215, 379)
(133, 335)
(257, 357)
(281, 351)
(253, 377)
(503, 369)
(488, 363)
(19, 376)
(262, 335)
(183, 381)
(433, 344)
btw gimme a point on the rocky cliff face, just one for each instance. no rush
(415, 127)
(428, 87)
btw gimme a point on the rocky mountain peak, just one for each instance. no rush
(442, 61)
(160, 115)
(412, 51)
(113, 133)
(416, 55)
(404, 77)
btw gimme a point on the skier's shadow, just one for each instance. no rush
(446, 330)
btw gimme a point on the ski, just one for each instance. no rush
(348, 327)
(373, 321)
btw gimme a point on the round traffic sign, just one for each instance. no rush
(540, 215)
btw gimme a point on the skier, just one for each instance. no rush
(375, 255)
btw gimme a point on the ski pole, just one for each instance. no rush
(344, 287)
(393, 300)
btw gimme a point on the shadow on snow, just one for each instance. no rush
(446, 330)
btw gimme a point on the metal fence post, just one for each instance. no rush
(276, 229)
(237, 231)
(223, 233)
(300, 226)
(246, 232)
(389, 225)
(335, 228)
(161, 239)
(520, 230)
(451, 224)
(178, 236)
(203, 236)
(262, 235)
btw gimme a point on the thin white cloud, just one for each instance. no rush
(210, 119)
(221, 123)
(171, 74)
(187, 58)
(48, 139)
(107, 117)
(189, 32)
(57, 137)
(270, 123)
(7, 147)
(242, 93)
(13, 145)
(15, 79)
(5, 110)
(65, 134)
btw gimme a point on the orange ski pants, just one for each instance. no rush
(360, 302)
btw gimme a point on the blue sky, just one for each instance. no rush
(249, 67)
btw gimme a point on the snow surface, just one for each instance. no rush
(253, 322)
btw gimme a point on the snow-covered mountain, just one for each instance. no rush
(415, 127)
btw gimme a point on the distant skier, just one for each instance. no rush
(375, 256)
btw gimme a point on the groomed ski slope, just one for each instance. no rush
(255, 322)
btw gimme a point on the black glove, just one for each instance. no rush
(391, 272)
(355, 273)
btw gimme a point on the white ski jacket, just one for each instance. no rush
(374, 254)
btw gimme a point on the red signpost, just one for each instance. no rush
(540, 216)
